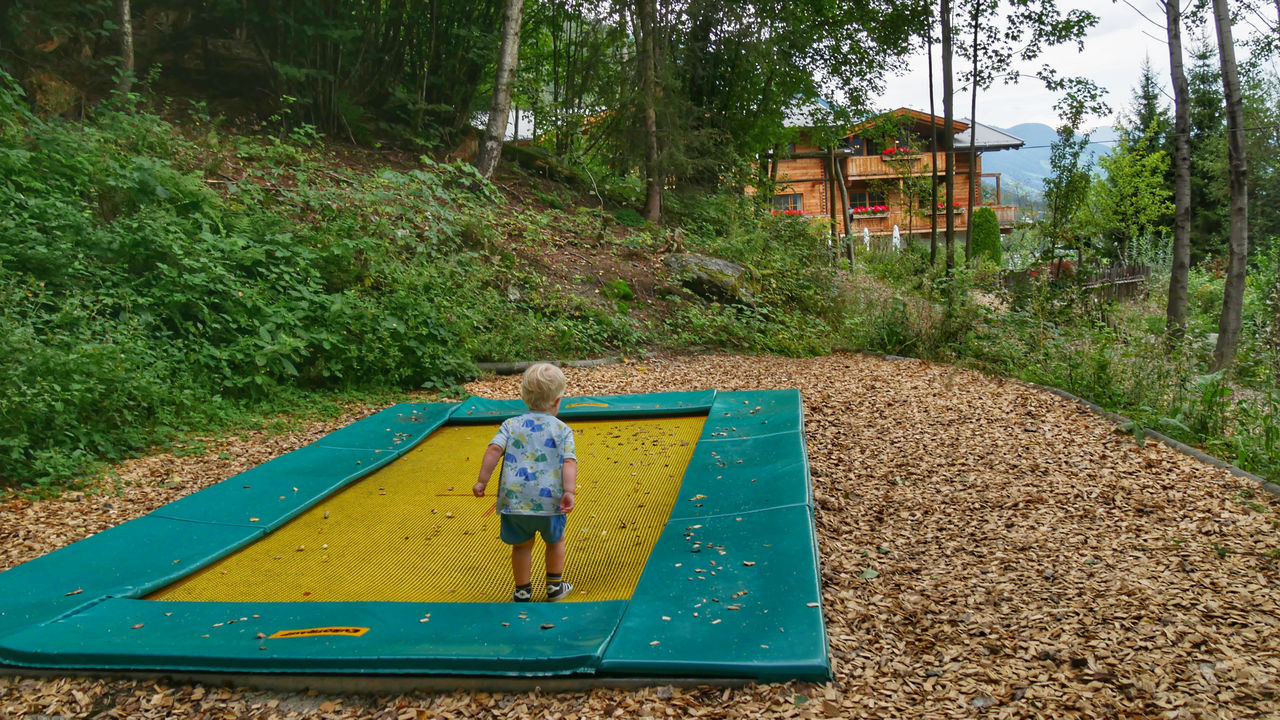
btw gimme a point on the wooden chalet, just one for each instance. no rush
(883, 165)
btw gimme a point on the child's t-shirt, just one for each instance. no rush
(536, 446)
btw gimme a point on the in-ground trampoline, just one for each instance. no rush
(691, 549)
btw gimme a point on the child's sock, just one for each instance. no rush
(523, 593)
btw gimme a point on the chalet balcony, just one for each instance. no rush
(878, 167)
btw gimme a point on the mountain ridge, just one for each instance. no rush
(1028, 166)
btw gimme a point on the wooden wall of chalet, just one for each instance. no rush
(808, 178)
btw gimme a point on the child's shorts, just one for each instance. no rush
(520, 529)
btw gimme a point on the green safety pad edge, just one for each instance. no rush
(763, 429)
(750, 414)
(592, 407)
(456, 638)
(741, 534)
(756, 612)
(129, 559)
(391, 429)
(751, 456)
(271, 494)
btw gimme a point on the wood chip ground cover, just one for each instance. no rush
(1026, 561)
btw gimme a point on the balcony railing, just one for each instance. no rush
(915, 223)
(876, 166)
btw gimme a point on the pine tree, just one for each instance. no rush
(1209, 211)
(1148, 125)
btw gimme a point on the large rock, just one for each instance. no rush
(711, 278)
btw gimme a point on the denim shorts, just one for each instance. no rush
(520, 529)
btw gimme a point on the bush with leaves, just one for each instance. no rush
(986, 235)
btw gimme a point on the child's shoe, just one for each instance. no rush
(558, 591)
(524, 593)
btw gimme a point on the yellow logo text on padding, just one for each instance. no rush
(313, 632)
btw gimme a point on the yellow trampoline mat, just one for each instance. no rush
(412, 531)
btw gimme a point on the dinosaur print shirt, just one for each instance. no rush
(535, 447)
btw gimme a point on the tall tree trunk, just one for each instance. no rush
(844, 199)
(496, 131)
(1176, 310)
(648, 21)
(1237, 172)
(830, 172)
(948, 133)
(933, 151)
(973, 142)
(125, 83)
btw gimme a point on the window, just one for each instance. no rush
(793, 202)
(860, 199)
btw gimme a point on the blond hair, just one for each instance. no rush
(542, 385)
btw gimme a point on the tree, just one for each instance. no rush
(1133, 201)
(1208, 147)
(124, 83)
(1176, 309)
(1018, 34)
(1238, 173)
(985, 228)
(508, 58)
(948, 133)
(647, 21)
(1067, 186)
(933, 150)
(1147, 124)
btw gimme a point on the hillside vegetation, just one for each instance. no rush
(161, 276)
(165, 275)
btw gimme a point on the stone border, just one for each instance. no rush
(515, 368)
(1147, 432)
(1118, 419)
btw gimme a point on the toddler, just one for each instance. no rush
(538, 481)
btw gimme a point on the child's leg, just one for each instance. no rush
(557, 587)
(522, 562)
(555, 557)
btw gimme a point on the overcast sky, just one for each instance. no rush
(1112, 57)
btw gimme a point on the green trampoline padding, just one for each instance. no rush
(725, 593)
(129, 559)
(458, 638)
(730, 590)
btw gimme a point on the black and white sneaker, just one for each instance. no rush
(559, 591)
(522, 594)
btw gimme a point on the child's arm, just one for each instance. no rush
(491, 457)
(569, 478)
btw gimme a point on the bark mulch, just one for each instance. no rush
(988, 550)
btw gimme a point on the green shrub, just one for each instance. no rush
(986, 235)
(628, 217)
